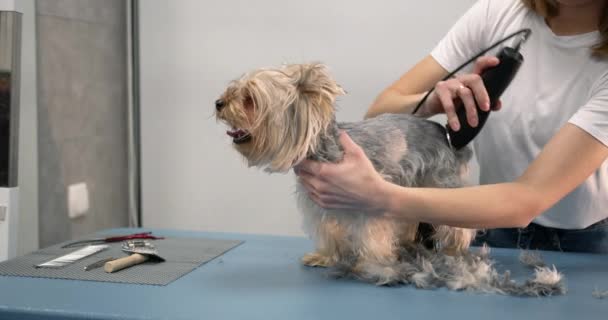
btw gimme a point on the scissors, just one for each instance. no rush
(143, 235)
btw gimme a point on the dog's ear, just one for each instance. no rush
(309, 113)
(316, 93)
(315, 78)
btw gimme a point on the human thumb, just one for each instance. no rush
(350, 147)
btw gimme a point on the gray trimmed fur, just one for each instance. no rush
(598, 294)
(531, 259)
(429, 161)
(428, 269)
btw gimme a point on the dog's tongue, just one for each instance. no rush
(236, 133)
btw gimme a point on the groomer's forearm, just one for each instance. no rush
(505, 205)
(392, 101)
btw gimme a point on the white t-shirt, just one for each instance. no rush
(558, 82)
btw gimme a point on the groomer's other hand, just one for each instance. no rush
(353, 183)
(466, 87)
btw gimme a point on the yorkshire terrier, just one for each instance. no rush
(281, 116)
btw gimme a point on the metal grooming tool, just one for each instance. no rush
(142, 235)
(140, 252)
(73, 257)
(98, 264)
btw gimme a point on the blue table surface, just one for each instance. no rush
(262, 279)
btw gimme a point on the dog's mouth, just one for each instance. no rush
(239, 135)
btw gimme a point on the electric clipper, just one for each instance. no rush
(496, 80)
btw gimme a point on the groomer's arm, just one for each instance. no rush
(353, 184)
(403, 95)
(565, 162)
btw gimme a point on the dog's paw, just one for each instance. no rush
(315, 259)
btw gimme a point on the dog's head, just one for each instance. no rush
(277, 114)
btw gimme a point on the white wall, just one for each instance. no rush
(7, 5)
(192, 178)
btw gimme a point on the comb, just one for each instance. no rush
(73, 256)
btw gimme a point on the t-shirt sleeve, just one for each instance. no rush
(593, 116)
(466, 38)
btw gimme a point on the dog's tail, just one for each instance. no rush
(464, 155)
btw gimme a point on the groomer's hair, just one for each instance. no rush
(549, 8)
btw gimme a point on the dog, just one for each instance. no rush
(280, 116)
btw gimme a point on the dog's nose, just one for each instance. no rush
(219, 104)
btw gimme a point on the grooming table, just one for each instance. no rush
(263, 279)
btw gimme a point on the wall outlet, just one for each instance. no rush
(78, 200)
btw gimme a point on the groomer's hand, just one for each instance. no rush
(353, 183)
(467, 88)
